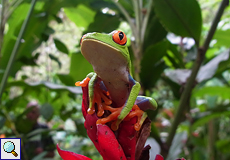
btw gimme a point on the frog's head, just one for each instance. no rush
(105, 50)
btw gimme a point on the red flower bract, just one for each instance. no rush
(112, 145)
(67, 155)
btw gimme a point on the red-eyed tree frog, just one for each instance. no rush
(109, 56)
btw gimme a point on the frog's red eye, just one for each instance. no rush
(119, 37)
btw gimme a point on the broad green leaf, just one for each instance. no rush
(10, 37)
(79, 67)
(23, 125)
(182, 17)
(81, 15)
(60, 46)
(36, 31)
(151, 66)
(66, 79)
(174, 86)
(104, 23)
(176, 55)
(223, 66)
(31, 39)
(173, 57)
(65, 114)
(206, 72)
(222, 92)
(81, 131)
(155, 32)
(47, 111)
(223, 145)
(222, 37)
(207, 118)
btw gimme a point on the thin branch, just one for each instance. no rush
(189, 85)
(128, 18)
(145, 21)
(15, 49)
(137, 18)
(2, 26)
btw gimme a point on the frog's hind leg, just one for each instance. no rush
(142, 104)
(146, 103)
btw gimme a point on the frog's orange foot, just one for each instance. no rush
(83, 83)
(136, 112)
(115, 112)
(100, 97)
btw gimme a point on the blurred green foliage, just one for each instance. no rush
(165, 37)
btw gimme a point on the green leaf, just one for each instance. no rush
(104, 23)
(49, 31)
(151, 66)
(66, 79)
(206, 72)
(47, 111)
(222, 37)
(154, 37)
(176, 55)
(79, 67)
(222, 92)
(207, 118)
(10, 38)
(61, 46)
(182, 17)
(175, 88)
(223, 145)
(81, 15)
(223, 65)
(23, 125)
(52, 57)
(65, 114)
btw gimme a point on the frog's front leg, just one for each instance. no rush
(142, 103)
(91, 80)
(130, 101)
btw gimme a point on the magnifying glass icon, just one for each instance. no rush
(9, 147)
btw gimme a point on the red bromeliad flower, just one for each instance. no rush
(125, 143)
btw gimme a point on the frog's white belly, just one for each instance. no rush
(111, 66)
(117, 83)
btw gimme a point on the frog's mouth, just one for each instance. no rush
(101, 55)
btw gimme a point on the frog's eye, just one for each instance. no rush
(119, 37)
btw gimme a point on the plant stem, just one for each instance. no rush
(211, 139)
(128, 18)
(2, 26)
(145, 20)
(137, 16)
(15, 49)
(189, 85)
